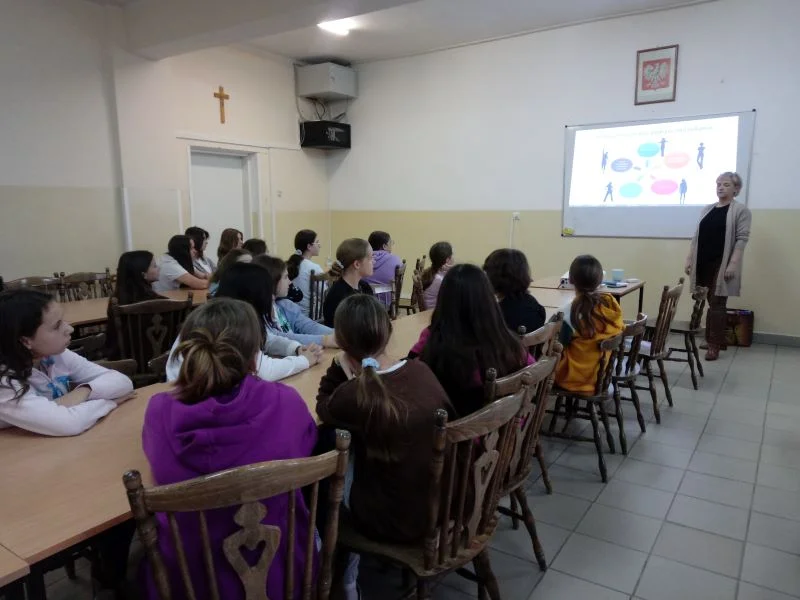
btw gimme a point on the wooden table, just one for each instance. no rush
(554, 283)
(90, 312)
(12, 567)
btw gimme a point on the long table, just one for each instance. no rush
(554, 283)
(95, 310)
(12, 567)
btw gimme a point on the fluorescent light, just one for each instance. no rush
(340, 27)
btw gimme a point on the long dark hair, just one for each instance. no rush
(21, 314)
(180, 248)
(378, 239)
(228, 240)
(363, 329)
(468, 333)
(439, 253)
(199, 237)
(218, 343)
(586, 275)
(252, 284)
(131, 285)
(302, 240)
(230, 259)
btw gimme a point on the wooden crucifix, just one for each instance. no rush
(221, 96)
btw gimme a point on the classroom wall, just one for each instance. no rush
(59, 208)
(448, 145)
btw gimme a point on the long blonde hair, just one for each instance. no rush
(219, 343)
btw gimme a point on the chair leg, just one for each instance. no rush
(483, 569)
(623, 439)
(69, 567)
(423, 589)
(569, 413)
(612, 448)
(690, 358)
(663, 371)
(637, 405)
(545, 475)
(696, 353)
(515, 510)
(530, 525)
(653, 393)
(598, 444)
(556, 409)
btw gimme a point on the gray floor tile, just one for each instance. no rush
(700, 549)
(560, 586)
(573, 482)
(516, 577)
(638, 499)
(682, 438)
(748, 591)
(781, 438)
(738, 415)
(665, 579)
(784, 385)
(689, 407)
(716, 444)
(686, 396)
(782, 478)
(722, 466)
(657, 476)
(583, 457)
(771, 569)
(717, 489)
(783, 422)
(709, 516)
(620, 527)
(673, 420)
(552, 450)
(600, 562)
(443, 592)
(774, 532)
(779, 503)
(558, 509)
(661, 454)
(747, 402)
(781, 456)
(783, 408)
(518, 542)
(750, 433)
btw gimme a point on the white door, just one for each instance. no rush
(219, 196)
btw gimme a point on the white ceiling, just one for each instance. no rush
(429, 25)
(113, 2)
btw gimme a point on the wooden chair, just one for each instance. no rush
(318, 286)
(654, 346)
(543, 342)
(468, 455)
(158, 366)
(397, 288)
(417, 302)
(246, 487)
(85, 285)
(626, 370)
(689, 330)
(126, 366)
(538, 379)
(585, 406)
(148, 329)
(419, 266)
(44, 284)
(91, 347)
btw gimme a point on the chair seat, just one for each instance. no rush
(678, 326)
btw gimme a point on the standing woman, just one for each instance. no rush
(715, 256)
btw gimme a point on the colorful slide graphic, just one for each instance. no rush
(662, 164)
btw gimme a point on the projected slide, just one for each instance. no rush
(657, 164)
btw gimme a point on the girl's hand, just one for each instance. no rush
(124, 398)
(312, 352)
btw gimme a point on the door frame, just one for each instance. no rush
(251, 184)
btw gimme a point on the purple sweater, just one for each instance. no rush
(384, 264)
(258, 421)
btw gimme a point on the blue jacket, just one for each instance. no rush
(300, 327)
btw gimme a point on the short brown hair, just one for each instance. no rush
(219, 342)
(351, 250)
(509, 272)
(275, 266)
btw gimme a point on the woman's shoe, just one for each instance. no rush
(712, 353)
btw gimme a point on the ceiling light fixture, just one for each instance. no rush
(340, 27)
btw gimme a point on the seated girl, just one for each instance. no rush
(202, 263)
(229, 239)
(252, 284)
(287, 318)
(136, 272)
(384, 264)
(388, 406)
(467, 336)
(510, 275)
(175, 268)
(300, 265)
(217, 417)
(236, 255)
(37, 372)
(591, 317)
(353, 264)
(255, 246)
(441, 255)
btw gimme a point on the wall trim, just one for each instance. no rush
(199, 137)
(776, 339)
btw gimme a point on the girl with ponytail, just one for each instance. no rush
(388, 406)
(220, 416)
(300, 265)
(591, 317)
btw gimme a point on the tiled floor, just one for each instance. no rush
(705, 507)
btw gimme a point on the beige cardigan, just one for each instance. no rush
(737, 232)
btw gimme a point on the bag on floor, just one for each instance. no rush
(739, 330)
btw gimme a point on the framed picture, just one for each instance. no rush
(656, 75)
